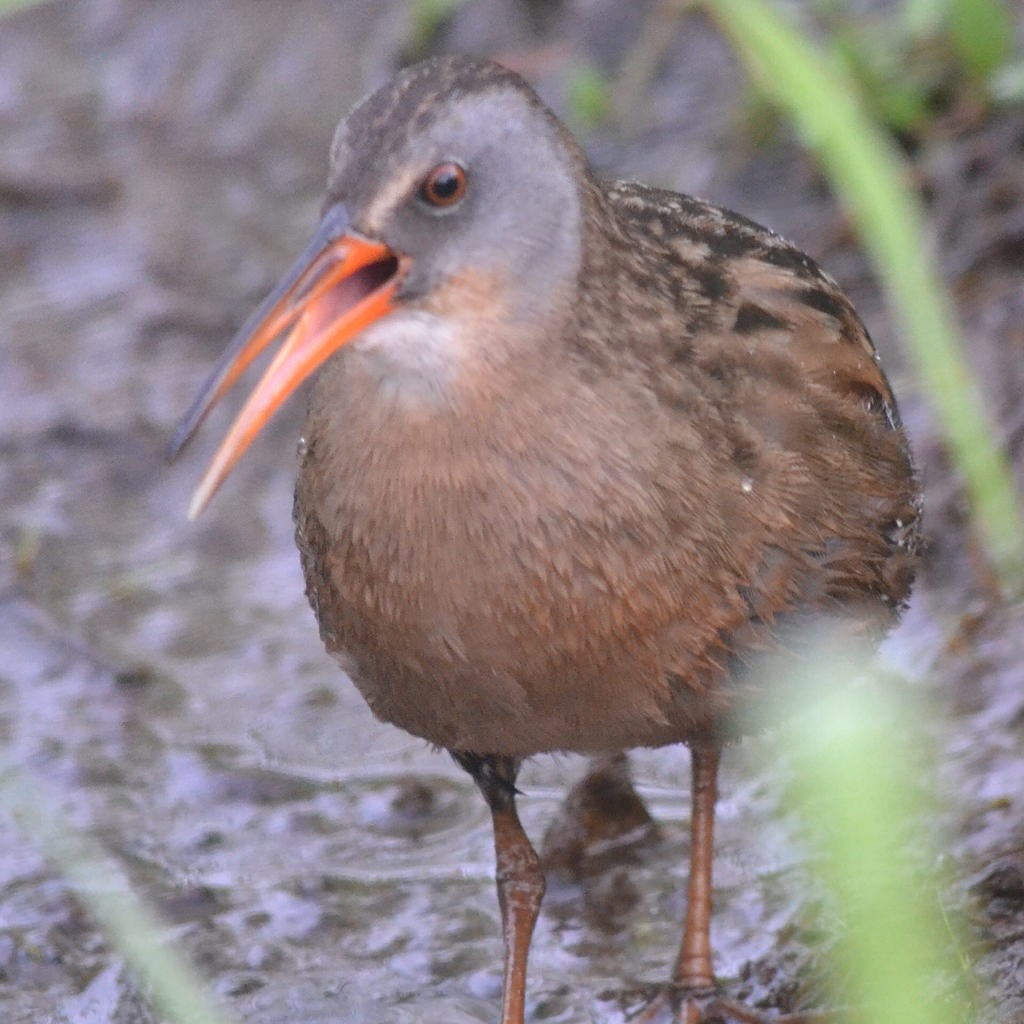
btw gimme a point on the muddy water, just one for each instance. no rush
(163, 680)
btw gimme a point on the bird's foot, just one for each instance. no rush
(676, 1004)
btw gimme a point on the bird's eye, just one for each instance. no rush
(444, 186)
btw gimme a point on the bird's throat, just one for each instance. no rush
(408, 363)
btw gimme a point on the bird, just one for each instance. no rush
(577, 454)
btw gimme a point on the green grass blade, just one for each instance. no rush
(172, 985)
(860, 774)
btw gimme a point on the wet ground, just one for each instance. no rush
(163, 680)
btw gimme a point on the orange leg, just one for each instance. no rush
(518, 872)
(692, 997)
(693, 967)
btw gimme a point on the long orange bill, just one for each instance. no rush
(341, 284)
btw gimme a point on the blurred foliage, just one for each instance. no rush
(861, 778)
(913, 60)
(980, 32)
(589, 97)
(425, 20)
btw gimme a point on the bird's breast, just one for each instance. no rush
(490, 585)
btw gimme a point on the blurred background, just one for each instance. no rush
(160, 164)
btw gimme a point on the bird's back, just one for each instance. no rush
(770, 371)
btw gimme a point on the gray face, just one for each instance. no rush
(517, 227)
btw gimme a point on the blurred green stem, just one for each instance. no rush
(858, 779)
(99, 883)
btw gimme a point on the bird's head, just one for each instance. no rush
(452, 222)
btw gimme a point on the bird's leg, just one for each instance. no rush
(691, 994)
(518, 872)
(691, 998)
(693, 966)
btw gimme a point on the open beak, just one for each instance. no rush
(341, 284)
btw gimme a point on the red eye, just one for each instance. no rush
(444, 186)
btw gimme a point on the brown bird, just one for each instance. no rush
(576, 454)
